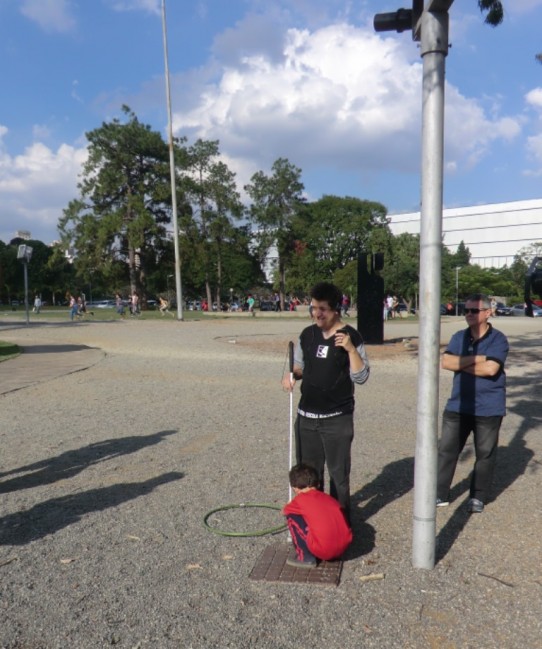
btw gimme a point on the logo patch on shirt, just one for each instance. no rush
(322, 350)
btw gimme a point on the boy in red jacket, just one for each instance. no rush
(316, 521)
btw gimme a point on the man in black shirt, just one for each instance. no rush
(329, 358)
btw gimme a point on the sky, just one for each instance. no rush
(306, 80)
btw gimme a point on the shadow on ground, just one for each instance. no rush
(73, 462)
(54, 514)
(394, 481)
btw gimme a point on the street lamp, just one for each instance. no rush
(178, 285)
(457, 269)
(24, 254)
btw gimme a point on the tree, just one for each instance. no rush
(276, 200)
(347, 280)
(330, 234)
(59, 275)
(494, 9)
(338, 229)
(215, 201)
(124, 202)
(462, 255)
(11, 276)
(401, 268)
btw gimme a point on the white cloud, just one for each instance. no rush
(340, 97)
(36, 186)
(534, 144)
(41, 132)
(469, 132)
(534, 97)
(51, 15)
(151, 6)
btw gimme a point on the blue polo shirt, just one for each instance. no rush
(483, 396)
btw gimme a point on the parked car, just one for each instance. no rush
(502, 309)
(402, 308)
(102, 304)
(519, 310)
(267, 305)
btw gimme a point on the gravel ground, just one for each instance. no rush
(106, 475)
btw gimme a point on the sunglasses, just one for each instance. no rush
(474, 311)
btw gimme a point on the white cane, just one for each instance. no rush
(291, 365)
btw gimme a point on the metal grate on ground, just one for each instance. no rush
(271, 566)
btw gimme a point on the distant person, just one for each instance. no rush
(119, 306)
(316, 521)
(37, 304)
(389, 303)
(345, 305)
(493, 307)
(81, 306)
(476, 356)
(164, 306)
(134, 304)
(276, 299)
(74, 307)
(395, 307)
(250, 305)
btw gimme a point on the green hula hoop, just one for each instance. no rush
(216, 530)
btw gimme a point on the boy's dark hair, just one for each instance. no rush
(303, 476)
(328, 292)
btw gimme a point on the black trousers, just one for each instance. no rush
(328, 442)
(455, 430)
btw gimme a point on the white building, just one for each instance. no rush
(492, 233)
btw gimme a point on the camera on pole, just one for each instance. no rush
(401, 20)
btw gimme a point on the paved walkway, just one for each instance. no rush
(40, 363)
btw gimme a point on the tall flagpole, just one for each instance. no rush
(178, 286)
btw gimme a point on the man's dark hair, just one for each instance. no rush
(303, 476)
(327, 292)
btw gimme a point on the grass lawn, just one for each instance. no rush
(8, 350)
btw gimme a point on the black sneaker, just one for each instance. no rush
(475, 506)
(298, 563)
(442, 503)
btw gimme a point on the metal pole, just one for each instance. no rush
(434, 48)
(457, 290)
(25, 264)
(178, 286)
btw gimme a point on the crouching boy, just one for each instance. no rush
(316, 521)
